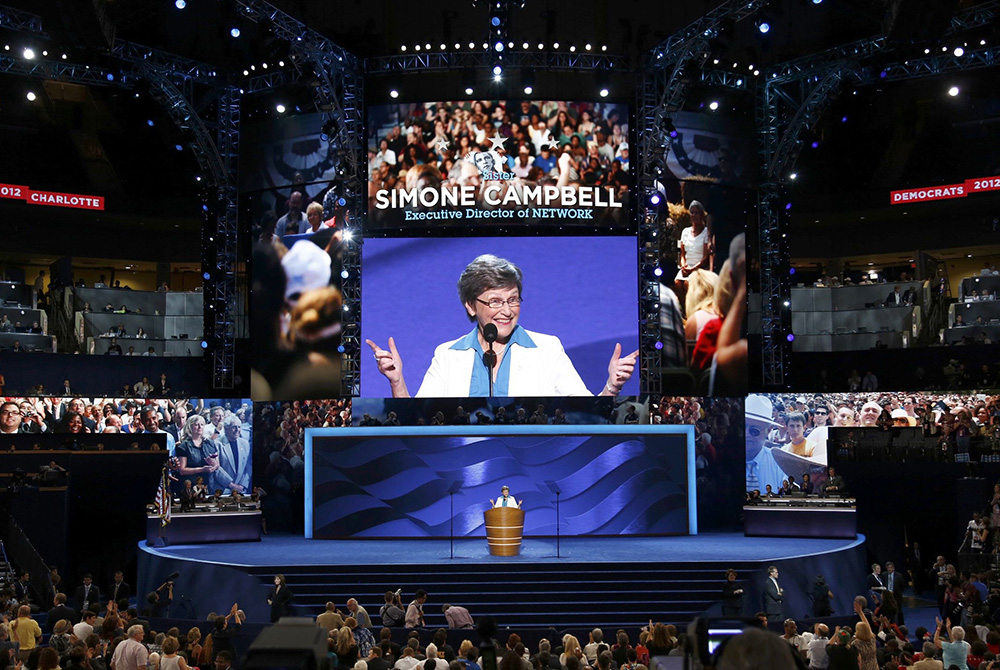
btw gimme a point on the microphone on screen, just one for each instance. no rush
(490, 334)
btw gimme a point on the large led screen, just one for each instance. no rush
(612, 480)
(579, 290)
(496, 163)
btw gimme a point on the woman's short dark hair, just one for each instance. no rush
(484, 273)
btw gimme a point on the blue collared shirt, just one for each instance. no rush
(479, 387)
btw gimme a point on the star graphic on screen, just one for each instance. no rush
(497, 141)
(547, 140)
(442, 145)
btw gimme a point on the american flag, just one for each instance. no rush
(163, 498)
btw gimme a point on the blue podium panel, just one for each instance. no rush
(394, 482)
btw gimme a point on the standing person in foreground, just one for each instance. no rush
(279, 598)
(525, 363)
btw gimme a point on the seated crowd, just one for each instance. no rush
(133, 414)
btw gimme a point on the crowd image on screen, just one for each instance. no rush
(296, 329)
(702, 307)
(448, 145)
(718, 444)
(279, 448)
(940, 427)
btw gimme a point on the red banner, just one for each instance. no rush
(927, 194)
(982, 184)
(51, 198)
(13, 191)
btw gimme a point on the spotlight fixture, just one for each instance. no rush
(655, 199)
(393, 93)
(235, 32)
(764, 27)
(528, 80)
(28, 53)
(180, 4)
(959, 52)
(497, 70)
(953, 91)
(280, 108)
(468, 90)
(604, 92)
(30, 95)
(588, 46)
(793, 176)
(402, 47)
(714, 105)
(555, 45)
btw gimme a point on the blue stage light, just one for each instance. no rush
(206, 276)
(497, 70)
(655, 199)
(815, 145)
(658, 272)
(111, 77)
(179, 147)
(495, 21)
(764, 27)
(658, 345)
(498, 46)
(204, 344)
(180, 4)
(149, 122)
(341, 349)
(791, 271)
(235, 32)
(790, 338)
(788, 205)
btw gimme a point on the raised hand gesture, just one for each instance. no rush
(391, 366)
(620, 370)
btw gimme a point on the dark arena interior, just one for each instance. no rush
(246, 423)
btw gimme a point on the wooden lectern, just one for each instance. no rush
(504, 527)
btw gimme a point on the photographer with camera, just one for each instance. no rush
(155, 606)
(392, 612)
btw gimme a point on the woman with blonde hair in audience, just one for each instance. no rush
(699, 303)
(194, 645)
(864, 641)
(196, 453)
(571, 647)
(345, 648)
(170, 660)
(707, 343)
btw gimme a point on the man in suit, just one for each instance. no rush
(120, 590)
(895, 299)
(177, 424)
(773, 596)
(150, 417)
(88, 596)
(875, 584)
(895, 583)
(234, 457)
(25, 591)
(60, 611)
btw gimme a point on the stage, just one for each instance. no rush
(606, 581)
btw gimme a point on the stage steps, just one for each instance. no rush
(522, 595)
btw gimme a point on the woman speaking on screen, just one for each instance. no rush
(523, 362)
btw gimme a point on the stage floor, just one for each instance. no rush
(279, 550)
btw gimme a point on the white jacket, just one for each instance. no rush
(542, 370)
